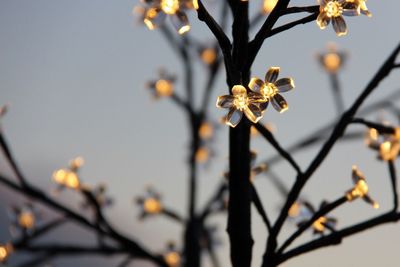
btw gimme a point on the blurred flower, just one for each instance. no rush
(271, 88)
(360, 189)
(334, 10)
(208, 55)
(68, 178)
(150, 203)
(321, 224)
(5, 251)
(206, 130)
(332, 60)
(172, 256)
(387, 145)
(163, 86)
(362, 5)
(240, 102)
(99, 193)
(268, 6)
(24, 219)
(203, 154)
(157, 10)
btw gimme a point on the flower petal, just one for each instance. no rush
(256, 97)
(263, 106)
(284, 84)
(279, 103)
(256, 84)
(339, 25)
(180, 22)
(351, 9)
(323, 20)
(225, 101)
(272, 74)
(253, 112)
(239, 90)
(233, 118)
(154, 17)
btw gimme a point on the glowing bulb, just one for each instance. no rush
(332, 62)
(202, 155)
(206, 130)
(173, 259)
(26, 219)
(184, 29)
(268, 5)
(333, 9)
(5, 251)
(294, 210)
(152, 205)
(151, 14)
(164, 87)
(208, 56)
(319, 224)
(170, 7)
(195, 4)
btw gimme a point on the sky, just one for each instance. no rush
(74, 74)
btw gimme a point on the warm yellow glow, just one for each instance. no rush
(332, 62)
(208, 55)
(151, 14)
(5, 251)
(285, 107)
(76, 163)
(397, 133)
(269, 90)
(319, 224)
(389, 150)
(195, 4)
(26, 219)
(170, 7)
(268, 5)
(66, 178)
(164, 87)
(173, 259)
(184, 29)
(360, 190)
(206, 130)
(294, 210)
(333, 9)
(202, 154)
(152, 205)
(241, 100)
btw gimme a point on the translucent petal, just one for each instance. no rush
(239, 90)
(253, 112)
(256, 97)
(351, 9)
(323, 20)
(154, 17)
(284, 84)
(370, 201)
(234, 116)
(256, 84)
(272, 74)
(225, 101)
(339, 25)
(180, 22)
(263, 106)
(356, 175)
(279, 103)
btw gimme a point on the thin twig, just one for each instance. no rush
(271, 139)
(381, 128)
(259, 206)
(393, 180)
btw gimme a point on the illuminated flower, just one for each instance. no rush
(208, 54)
(322, 223)
(206, 130)
(268, 6)
(387, 145)
(163, 86)
(68, 178)
(172, 256)
(332, 60)
(5, 251)
(362, 5)
(158, 10)
(360, 189)
(240, 102)
(335, 10)
(271, 88)
(24, 219)
(203, 154)
(150, 203)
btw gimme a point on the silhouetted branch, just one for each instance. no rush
(259, 206)
(381, 128)
(393, 180)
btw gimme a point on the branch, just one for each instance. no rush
(259, 206)
(381, 128)
(322, 212)
(271, 139)
(393, 179)
(292, 24)
(337, 237)
(13, 163)
(337, 132)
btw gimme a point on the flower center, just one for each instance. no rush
(333, 9)
(241, 101)
(170, 7)
(269, 90)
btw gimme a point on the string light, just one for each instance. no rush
(360, 189)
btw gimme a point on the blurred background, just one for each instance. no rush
(74, 74)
